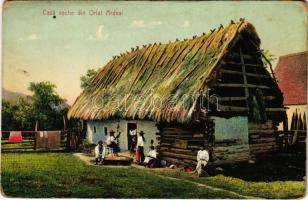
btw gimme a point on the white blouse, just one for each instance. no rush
(203, 155)
(140, 142)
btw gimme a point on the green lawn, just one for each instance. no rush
(64, 175)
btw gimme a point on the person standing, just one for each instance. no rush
(133, 140)
(99, 150)
(140, 147)
(202, 159)
(112, 143)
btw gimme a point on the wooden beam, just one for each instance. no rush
(241, 85)
(232, 98)
(236, 63)
(232, 108)
(236, 55)
(244, 76)
(275, 109)
(243, 98)
(227, 71)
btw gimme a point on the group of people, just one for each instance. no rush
(111, 142)
(137, 147)
(150, 160)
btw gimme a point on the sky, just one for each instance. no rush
(38, 47)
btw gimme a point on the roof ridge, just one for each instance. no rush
(294, 54)
(204, 34)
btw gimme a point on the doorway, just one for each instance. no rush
(131, 136)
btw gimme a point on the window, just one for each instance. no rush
(105, 130)
(94, 129)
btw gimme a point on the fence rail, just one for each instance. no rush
(69, 141)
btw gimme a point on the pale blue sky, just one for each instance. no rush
(61, 50)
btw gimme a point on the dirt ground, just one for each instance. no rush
(279, 166)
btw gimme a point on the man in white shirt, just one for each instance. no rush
(150, 158)
(133, 140)
(202, 159)
(99, 150)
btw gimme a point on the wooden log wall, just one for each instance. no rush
(179, 145)
(262, 138)
(230, 152)
(239, 76)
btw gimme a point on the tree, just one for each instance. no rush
(86, 79)
(23, 116)
(7, 119)
(48, 106)
(269, 57)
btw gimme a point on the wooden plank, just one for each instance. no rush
(180, 143)
(261, 131)
(241, 85)
(236, 63)
(275, 109)
(232, 98)
(236, 55)
(227, 71)
(177, 155)
(232, 108)
(244, 77)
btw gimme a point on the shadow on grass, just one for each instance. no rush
(287, 166)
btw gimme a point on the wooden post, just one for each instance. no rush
(244, 77)
(36, 125)
(68, 139)
(64, 123)
(36, 129)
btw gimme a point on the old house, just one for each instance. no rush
(212, 89)
(291, 74)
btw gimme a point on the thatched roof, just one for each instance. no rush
(127, 85)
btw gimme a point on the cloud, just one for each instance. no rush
(138, 24)
(185, 24)
(32, 36)
(100, 34)
(143, 24)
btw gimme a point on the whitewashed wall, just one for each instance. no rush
(232, 128)
(148, 127)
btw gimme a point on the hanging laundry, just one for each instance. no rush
(15, 137)
(53, 140)
(41, 139)
(48, 139)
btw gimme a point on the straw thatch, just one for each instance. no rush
(157, 81)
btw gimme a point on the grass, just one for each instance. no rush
(272, 190)
(64, 175)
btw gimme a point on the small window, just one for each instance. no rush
(94, 129)
(106, 130)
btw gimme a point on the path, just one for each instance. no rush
(88, 159)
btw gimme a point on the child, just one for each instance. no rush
(100, 150)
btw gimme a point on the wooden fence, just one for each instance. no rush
(70, 141)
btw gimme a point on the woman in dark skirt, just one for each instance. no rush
(140, 146)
